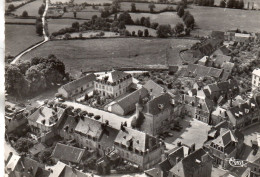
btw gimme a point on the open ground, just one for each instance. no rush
(126, 6)
(19, 38)
(31, 8)
(100, 54)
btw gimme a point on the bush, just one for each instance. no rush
(25, 14)
(11, 7)
(97, 117)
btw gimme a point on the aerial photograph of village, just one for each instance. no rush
(132, 88)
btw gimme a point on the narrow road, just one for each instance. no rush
(46, 38)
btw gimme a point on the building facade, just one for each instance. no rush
(256, 79)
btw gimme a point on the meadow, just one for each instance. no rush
(83, 14)
(212, 18)
(100, 54)
(19, 38)
(126, 6)
(83, 1)
(31, 8)
(162, 18)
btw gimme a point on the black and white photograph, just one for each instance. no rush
(130, 88)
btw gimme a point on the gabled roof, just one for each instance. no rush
(200, 70)
(137, 139)
(213, 87)
(189, 164)
(178, 154)
(46, 114)
(225, 137)
(89, 127)
(220, 59)
(108, 136)
(256, 71)
(165, 165)
(154, 172)
(158, 104)
(71, 86)
(128, 103)
(115, 76)
(69, 123)
(154, 88)
(68, 153)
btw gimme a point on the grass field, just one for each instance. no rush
(15, 3)
(256, 3)
(126, 6)
(19, 37)
(31, 8)
(55, 25)
(83, 1)
(100, 54)
(131, 28)
(211, 18)
(9, 19)
(83, 15)
(163, 18)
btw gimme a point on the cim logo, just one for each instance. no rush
(237, 163)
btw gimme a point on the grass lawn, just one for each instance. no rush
(32, 8)
(100, 54)
(83, 1)
(10, 19)
(163, 18)
(212, 18)
(126, 6)
(55, 25)
(19, 37)
(131, 28)
(15, 3)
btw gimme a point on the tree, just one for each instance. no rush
(187, 31)
(189, 21)
(222, 4)
(140, 33)
(147, 22)
(64, 9)
(75, 14)
(133, 7)
(179, 28)
(121, 25)
(11, 7)
(39, 29)
(45, 155)
(151, 6)
(186, 14)
(241, 4)
(25, 14)
(67, 36)
(23, 144)
(142, 21)
(154, 25)
(180, 11)
(41, 10)
(230, 3)
(164, 31)
(125, 17)
(146, 33)
(211, 3)
(75, 25)
(133, 33)
(115, 6)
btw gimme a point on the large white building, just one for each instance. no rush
(114, 84)
(256, 80)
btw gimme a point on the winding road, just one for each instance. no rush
(46, 38)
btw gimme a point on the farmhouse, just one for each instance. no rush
(127, 104)
(45, 119)
(78, 87)
(113, 84)
(138, 148)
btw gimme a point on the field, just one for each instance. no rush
(98, 54)
(31, 8)
(131, 28)
(19, 37)
(55, 25)
(251, 2)
(15, 3)
(126, 6)
(83, 1)
(83, 14)
(163, 18)
(9, 19)
(210, 18)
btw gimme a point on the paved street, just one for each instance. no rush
(196, 133)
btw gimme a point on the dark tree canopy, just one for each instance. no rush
(164, 31)
(41, 10)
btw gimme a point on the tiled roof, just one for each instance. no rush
(158, 104)
(89, 127)
(45, 113)
(165, 165)
(108, 136)
(69, 122)
(140, 140)
(128, 103)
(199, 71)
(154, 172)
(178, 153)
(114, 76)
(189, 164)
(256, 72)
(218, 34)
(68, 153)
(213, 87)
(154, 88)
(71, 86)
(225, 137)
(37, 148)
(220, 59)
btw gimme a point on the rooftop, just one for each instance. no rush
(114, 76)
(256, 72)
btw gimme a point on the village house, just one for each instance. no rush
(17, 166)
(113, 84)
(14, 119)
(79, 87)
(153, 88)
(157, 112)
(218, 115)
(196, 164)
(138, 147)
(45, 119)
(68, 154)
(253, 169)
(198, 85)
(226, 145)
(126, 105)
(256, 80)
(67, 127)
(244, 114)
(244, 38)
(229, 36)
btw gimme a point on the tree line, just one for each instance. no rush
(29, 77)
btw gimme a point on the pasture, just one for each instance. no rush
(31, 8)
(126, 6)
(131, 28)
(255, 3)
(15, 3)
(100, 54)
(19, 38)
(82, 14)
(55, 25)
(83, 1)
(9, 19)
(212, 18)
(162, 18)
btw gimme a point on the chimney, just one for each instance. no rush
(179, 144)
(122, 127)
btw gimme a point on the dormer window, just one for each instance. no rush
(236, 114)
(160, 106)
